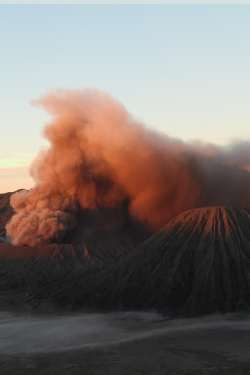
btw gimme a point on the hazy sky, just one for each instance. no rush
(181, 69)
(125, 2)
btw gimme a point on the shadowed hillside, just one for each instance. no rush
(29, 268)
(198, 264)
(6, 212)
(26, 270)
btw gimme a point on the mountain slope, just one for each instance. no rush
(198, 264)
(6, 211)
(25, 270)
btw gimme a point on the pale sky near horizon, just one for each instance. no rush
(181, 69)
(122, 2)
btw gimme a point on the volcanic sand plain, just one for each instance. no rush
(146, 348)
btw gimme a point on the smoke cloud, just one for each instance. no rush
(100, 157)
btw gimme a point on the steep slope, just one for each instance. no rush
(198, 264)
(100, 239)
(25, 270)
(6, 211)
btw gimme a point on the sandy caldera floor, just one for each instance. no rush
(124, 345)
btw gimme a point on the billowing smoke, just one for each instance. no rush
(102, 158)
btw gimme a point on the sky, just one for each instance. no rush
(180, 69)
(143, 2)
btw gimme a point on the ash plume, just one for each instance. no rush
(101, 157)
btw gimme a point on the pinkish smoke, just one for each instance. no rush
(101, 157)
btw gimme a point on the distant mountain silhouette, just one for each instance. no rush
(6, 211)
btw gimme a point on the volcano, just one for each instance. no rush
(198, 264)
(25, 271)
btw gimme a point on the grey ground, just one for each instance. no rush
(124, 344)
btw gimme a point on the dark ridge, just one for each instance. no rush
(198, 264)
(25, 270)
(31, 277)
(6, 212)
